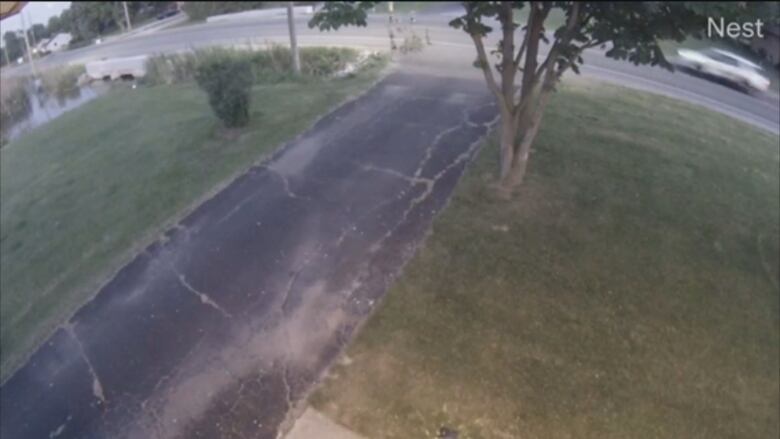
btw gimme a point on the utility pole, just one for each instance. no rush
(390, 11)
(127, 17)
(27, 45)
(296, 59)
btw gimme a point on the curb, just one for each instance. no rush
(315, 425)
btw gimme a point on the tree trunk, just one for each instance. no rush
(528, 128)
(507, 147)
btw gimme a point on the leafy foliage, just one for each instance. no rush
(62, 81)
(227, 81)
(333, 15)
(88, 20)
(92, 19)
(14, 46)
(37, 32)
(630, 31)
(269, 65)
(170, 69)
(55, 25)
(15, 104)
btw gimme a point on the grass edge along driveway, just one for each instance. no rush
(83, 194)
(629, 290)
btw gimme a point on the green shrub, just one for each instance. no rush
(275, 63)
(170, 69)
(269, 65)
(62, 82)
(15, 104)
(227, 80)
(325, 61)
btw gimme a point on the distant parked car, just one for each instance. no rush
(725, 65)
(171, 11)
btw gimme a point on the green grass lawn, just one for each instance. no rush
(630, 289)
(82, 194)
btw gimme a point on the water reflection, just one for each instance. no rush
(30, 105)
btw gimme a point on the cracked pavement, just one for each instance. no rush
(220, 328)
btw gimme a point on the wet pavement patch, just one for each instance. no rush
(222, 326)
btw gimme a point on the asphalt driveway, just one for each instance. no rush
(217, 329)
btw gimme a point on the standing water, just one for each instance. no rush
(32, 106)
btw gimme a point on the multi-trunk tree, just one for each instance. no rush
(531, 57)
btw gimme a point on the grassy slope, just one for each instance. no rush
(82, 192)
(633, 295)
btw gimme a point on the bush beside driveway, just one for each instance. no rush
(84, 193)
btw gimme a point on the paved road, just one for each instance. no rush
(218, 329)
(762, 111)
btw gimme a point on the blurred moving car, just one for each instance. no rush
(724, 65)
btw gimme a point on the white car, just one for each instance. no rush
(725, 65)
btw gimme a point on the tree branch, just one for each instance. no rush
(550, 75)
(545, 11)
(521, 50)
(593, 43)
(571, 23)
(487, 71)
(508, 68)
(533, 28)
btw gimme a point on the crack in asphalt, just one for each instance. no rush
(58, 431)
(431, 182)
(411, 180)
(158, 424)
(285, 182)
(288, 290)
(204, 298)
(433, 145)
(287, 387)
(237, 401)
(293, 279)
(472, 124)
(317, 297)
(352, 227)
(97, 386)
(238, 207)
